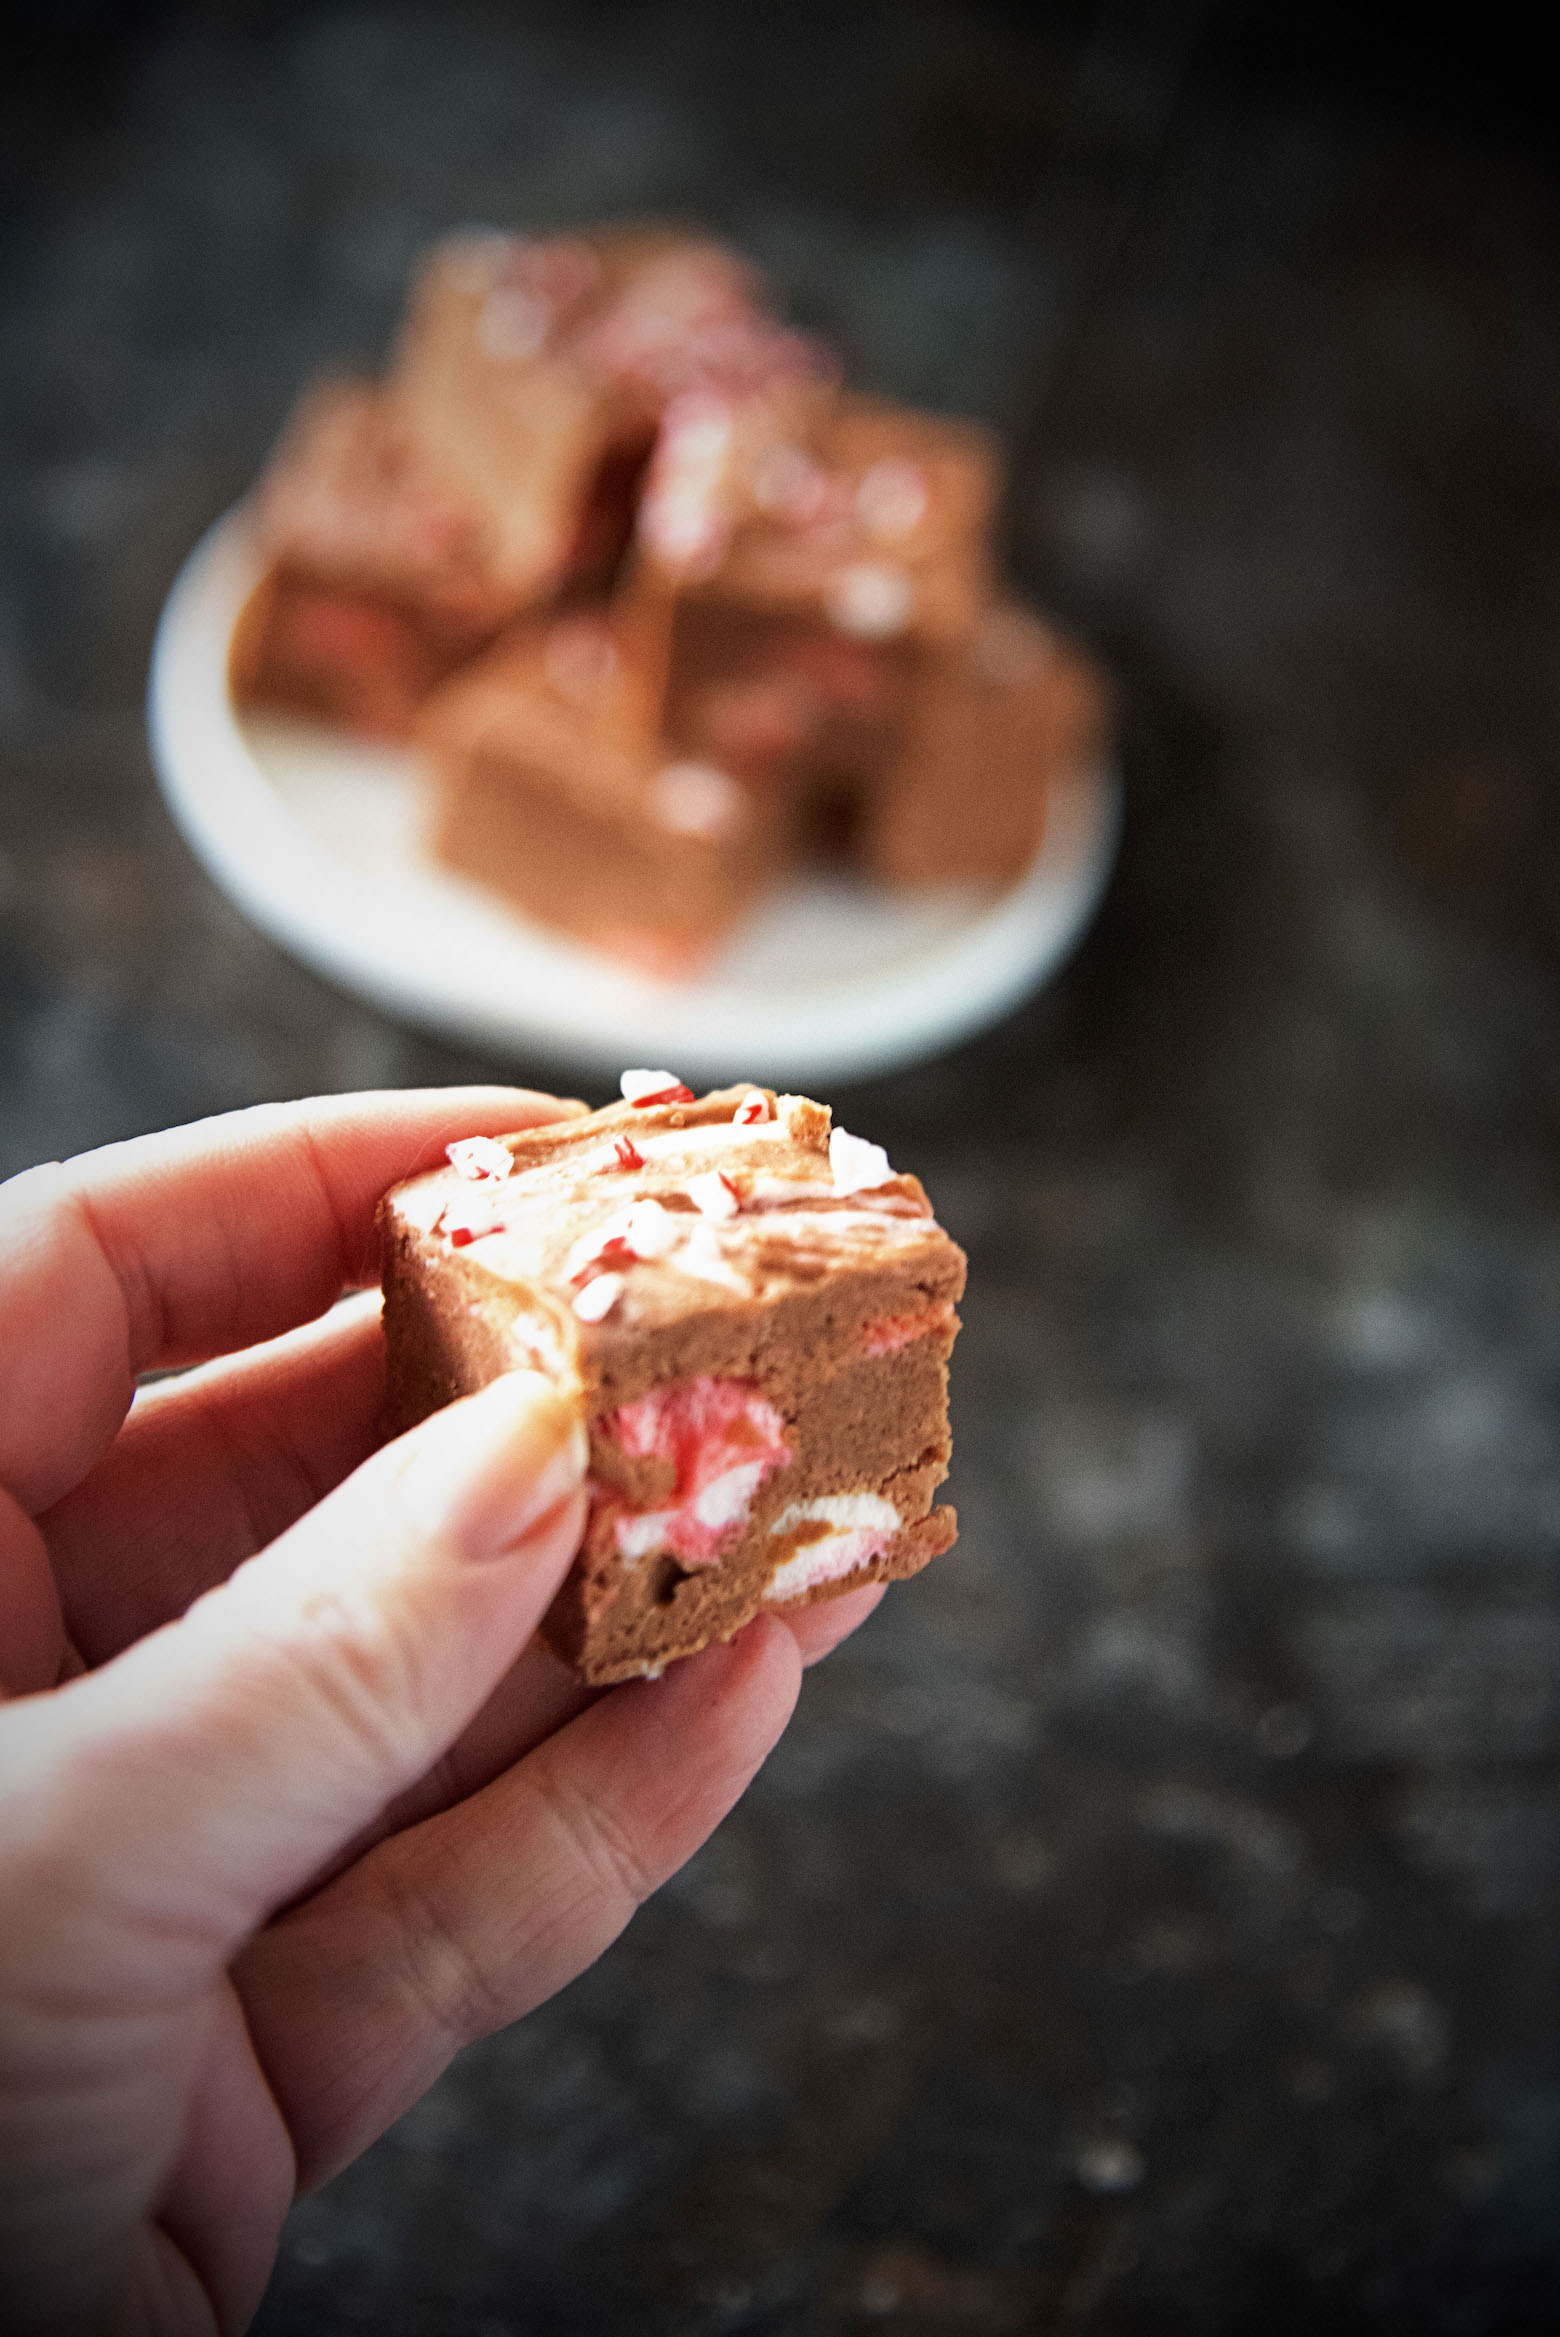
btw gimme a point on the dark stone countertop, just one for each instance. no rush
(1152, 1923)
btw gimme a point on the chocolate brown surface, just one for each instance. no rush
(554, 785)
(991, 724)
(524, 431)
(354, 498)
(893, 507)
(535, 370)
(788, 1300)
(782, 696)
(367, 661)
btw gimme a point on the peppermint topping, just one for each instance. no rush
(628, 1153)
(535, 285)
(696, 799)
(702, 1256)
(598, 1298)
(642, 1230)
(474, 1215)
(642, 1088)
(714, 1195)
(682, 518)
(791, 486)
(753, 1108)
(474, 1157)
(857, 1165)
(649, 1230)
(870, 601)
(892, 498)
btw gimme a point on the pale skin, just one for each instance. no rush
(292, 1804)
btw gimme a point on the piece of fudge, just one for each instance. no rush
(992, 723)
(555, 785)
(757, 1313)
(536, 372)
(378, 579)
(815, 552)
(796, 705)
(872, 520)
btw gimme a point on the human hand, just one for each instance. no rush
(292, 1805)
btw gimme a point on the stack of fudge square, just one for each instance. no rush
(668, 608)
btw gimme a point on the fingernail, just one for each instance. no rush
(492, 1466)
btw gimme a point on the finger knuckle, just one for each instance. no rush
(450, 1981)
(599, 1842)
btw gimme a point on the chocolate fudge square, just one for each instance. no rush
(378, 573)
(993, 723)
(536, 370)
(757, 1313)
(555, 786)
(869, 518)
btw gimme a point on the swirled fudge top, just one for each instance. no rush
(633, 1217)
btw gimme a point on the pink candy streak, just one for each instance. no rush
(714, 1430)
(896, 1331)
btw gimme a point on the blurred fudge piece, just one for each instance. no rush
(378, 581)
(535, 372)
(556, 786)
(792, 705)
(815, 553)
(992, 723)
(871, 520)
(757, 1314)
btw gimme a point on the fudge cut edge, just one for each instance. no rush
(832, 1367)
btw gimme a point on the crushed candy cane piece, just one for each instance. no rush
(642, 1088)
(628, 1153)
(474, 1215)
(892, 497)
(641, 1230)
(702, 1256)
(598, 1298)
(857, 1165)
(791, 486)
(479, 1156)
(753, 1108)
(714, 1195)
(650, 1231)
(870, 601)
(696, 799)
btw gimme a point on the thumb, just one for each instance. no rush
(203, 1775)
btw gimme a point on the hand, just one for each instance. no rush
(292, 1805)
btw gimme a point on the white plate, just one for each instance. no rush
(316, 837)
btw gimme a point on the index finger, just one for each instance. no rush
(168, 1249)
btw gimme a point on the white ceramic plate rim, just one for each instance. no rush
(440, 953)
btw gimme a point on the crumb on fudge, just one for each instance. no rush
(757, 1312)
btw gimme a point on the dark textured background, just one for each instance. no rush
(1151, 1924)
